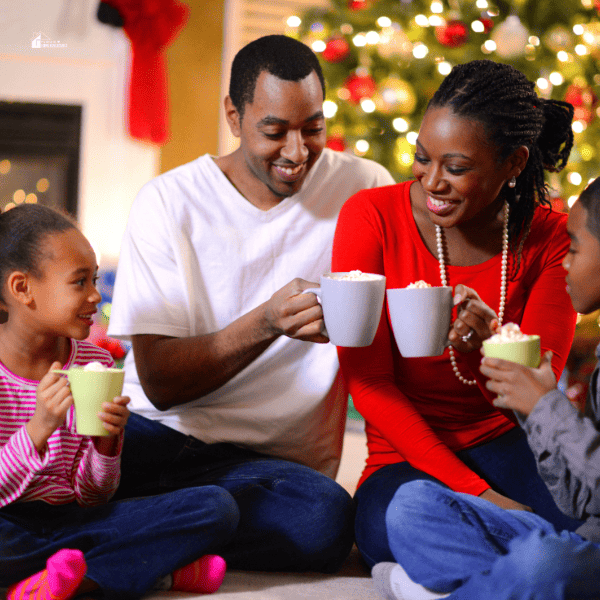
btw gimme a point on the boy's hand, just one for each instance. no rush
(519, 388)
(53, 399)
(114, 415)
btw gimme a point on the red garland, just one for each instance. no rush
(452, 35)
(151, 26)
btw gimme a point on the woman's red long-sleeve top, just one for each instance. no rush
(415, 408)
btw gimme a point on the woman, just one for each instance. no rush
(475, 219)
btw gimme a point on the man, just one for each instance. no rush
(224, 364)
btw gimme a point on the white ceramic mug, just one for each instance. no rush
(351, 307)
(420, 319)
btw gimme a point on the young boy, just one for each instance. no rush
(472, 548)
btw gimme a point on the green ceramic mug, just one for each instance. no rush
(90, 389)
(525, 352)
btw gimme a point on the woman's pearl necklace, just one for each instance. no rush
(440, 251)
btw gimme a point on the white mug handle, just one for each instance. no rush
(317, 292)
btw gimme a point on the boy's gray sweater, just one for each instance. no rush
(566, 445)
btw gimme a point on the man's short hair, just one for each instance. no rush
(282, 56)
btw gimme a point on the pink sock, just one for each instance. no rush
(204, 575)
(60, 579)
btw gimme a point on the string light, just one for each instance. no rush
(574, 178)
(361, 147)
(400, 124)
(368, 105)
(420, 50)
(294, 21)
(330, 108)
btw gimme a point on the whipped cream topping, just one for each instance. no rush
(418, 285)
(95, 366)
(358, 276)
(510, 332)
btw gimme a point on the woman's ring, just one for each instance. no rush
(466, 338)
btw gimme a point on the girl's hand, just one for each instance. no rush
(53, 399)
(519, 388)
(114, 415)
(475, 321)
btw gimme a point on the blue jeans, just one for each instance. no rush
(128, 545)
(292, 518)
(506, 463)
(452, 542)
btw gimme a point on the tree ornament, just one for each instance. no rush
(336, 142)
(393, 41)
(558, 38)
(488, 25)
(396, 95)
(357, 4)
(360, 86)
(336, 49)
(510, 37)
(453, 34)
(584, 101)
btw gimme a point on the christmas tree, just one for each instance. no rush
(384, 59)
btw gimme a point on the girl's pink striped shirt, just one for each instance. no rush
(70, 469)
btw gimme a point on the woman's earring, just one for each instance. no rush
(512, 182)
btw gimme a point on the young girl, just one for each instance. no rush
(469, 548)
(56, 521)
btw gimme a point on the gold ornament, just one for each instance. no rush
(395, 95)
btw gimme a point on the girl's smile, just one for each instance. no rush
(63, 300)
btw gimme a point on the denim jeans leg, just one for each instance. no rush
(539, 567)
(292, 517)
(155, 535)
(149, 450)
(128, 545)
(508, 465)
(442, 538)
(372, 499)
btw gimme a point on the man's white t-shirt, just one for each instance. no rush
(196, 255)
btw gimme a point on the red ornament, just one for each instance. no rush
(337, 143)
(488, 24)
(597, 5)
(453, 34)
(357, 4)
(336, 50)
(360, 86)
(581, 96)
(584, 100)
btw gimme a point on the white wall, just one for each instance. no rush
(91, 71)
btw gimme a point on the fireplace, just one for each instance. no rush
(39, 154)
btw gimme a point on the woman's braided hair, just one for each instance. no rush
(504, 101)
